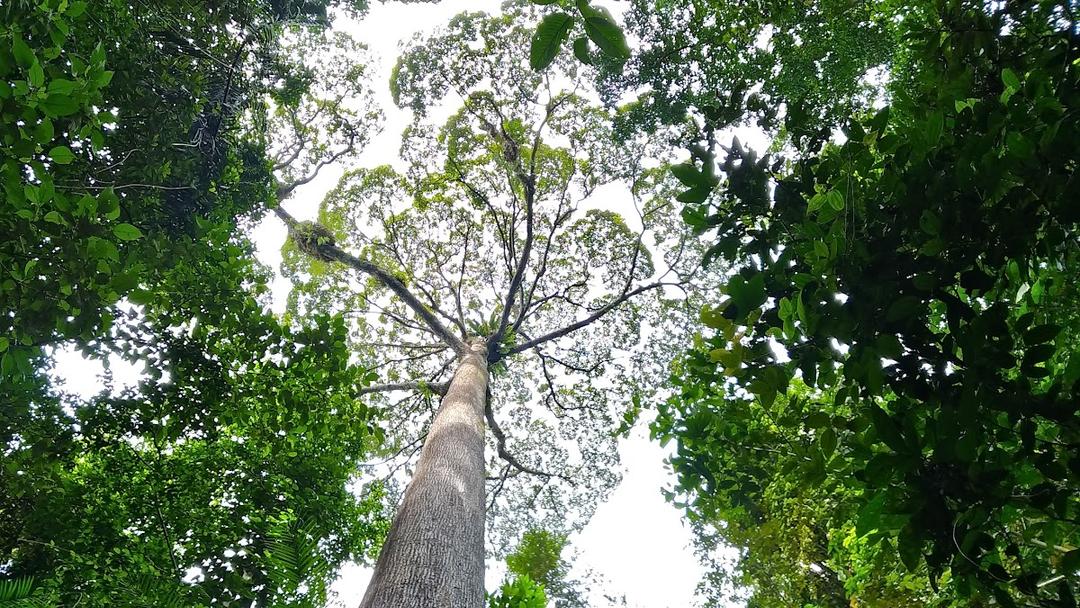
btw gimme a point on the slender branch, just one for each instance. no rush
(500, 442)
(461, 279)
(519, 274)
(438, 388)
(394, 284)
(586, 321)
(284, 190)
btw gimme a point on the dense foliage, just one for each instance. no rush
(879, 408)
(793, 68)
(887, 392)
(134, 148)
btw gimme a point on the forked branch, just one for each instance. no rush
(500, 444)
(330, 251)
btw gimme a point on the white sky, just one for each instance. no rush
(636, 542)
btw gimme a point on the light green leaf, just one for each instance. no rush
(835, 199)
(1010, 79)
(62, 155)
(127, 232)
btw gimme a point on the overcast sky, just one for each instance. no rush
(636, 543)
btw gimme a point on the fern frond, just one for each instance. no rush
(16, 589)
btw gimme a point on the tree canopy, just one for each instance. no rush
(487, 231)
(889, 382)
(135, 151)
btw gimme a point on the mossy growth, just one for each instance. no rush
(312, 239)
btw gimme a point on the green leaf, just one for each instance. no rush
(62, 86)
(1041, 333)
(935, 125)
(36, 75)
(818, 420)
(686, 173)
(548, 39)
(695, 195)
(604, 32)
(1038, 354)
(869, 515)
(127, 232)
(1070, 562)
(1010, 79)
(903, 308)
(62, 155)
(24, 56)
(582, 51)
(828, 442)
(909, 545)
(835, 199)
(887, 430)
(140, 296)
(101, 249)
(889, 346)
(44, 132)
(58, 105)
(103, 79)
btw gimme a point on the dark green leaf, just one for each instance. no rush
(24, 56)
(909, 545)
(904, 308)
(1038, 354)
(603, 31)
(548, 39)
(1041, 333)
(887, 430)
(695, 195)
(582, 51)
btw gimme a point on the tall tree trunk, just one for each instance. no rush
(434, 554)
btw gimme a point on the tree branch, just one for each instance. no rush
(332, 252)
(439, 388)
(500, 441)
(586, 321)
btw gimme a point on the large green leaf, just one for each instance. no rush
(550, 35)
(604, 32)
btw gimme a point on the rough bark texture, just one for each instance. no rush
(434, 554)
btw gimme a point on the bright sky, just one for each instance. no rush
(636, 543)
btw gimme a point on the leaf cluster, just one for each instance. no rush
(916, 277)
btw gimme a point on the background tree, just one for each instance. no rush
(915, 276)
(124, 190)
(797, 69)
(539, 556)
(483, 259)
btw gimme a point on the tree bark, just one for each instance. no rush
(434, 554)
